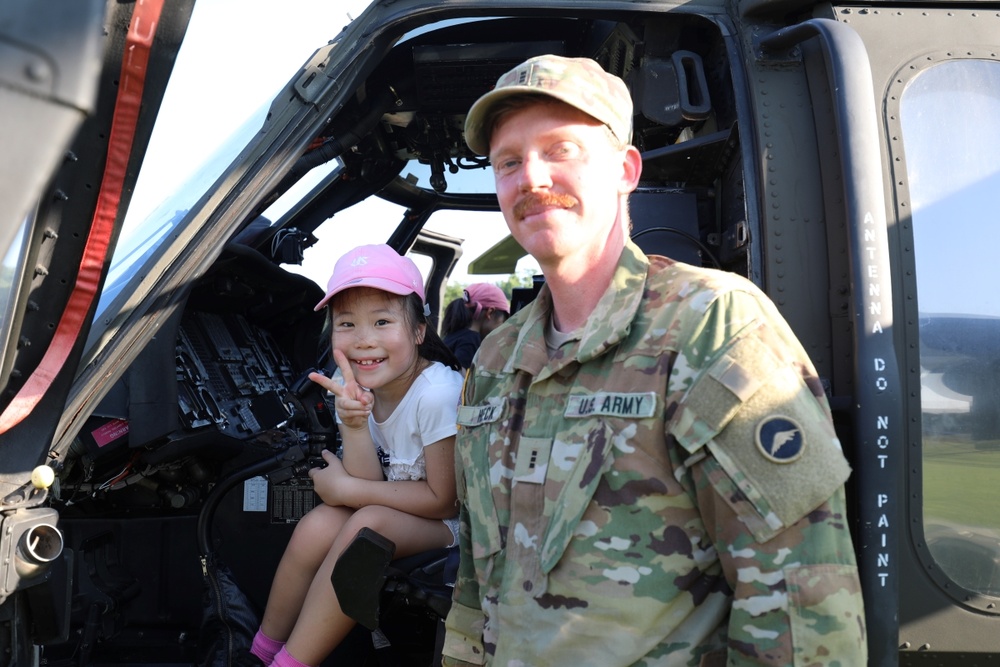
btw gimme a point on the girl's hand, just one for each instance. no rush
(332, 483)
(353, 403)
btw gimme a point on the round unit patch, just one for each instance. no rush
(780, 439)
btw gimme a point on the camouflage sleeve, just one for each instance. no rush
(797, 597)
(768, 475)
(463, 643)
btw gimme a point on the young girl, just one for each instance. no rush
(469, 319)
(398, 401)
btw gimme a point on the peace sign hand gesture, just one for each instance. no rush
(353, 402)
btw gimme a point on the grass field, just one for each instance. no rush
(962, 511)
(961, 483)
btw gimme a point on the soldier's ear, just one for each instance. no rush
(631, 170)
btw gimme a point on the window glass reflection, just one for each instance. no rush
(950, 116)
(10, 271)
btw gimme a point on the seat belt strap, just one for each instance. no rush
(135, 61)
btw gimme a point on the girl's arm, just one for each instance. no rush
(433, 498)
(360, 456)
(353, 405)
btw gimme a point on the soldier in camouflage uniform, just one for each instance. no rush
(648, 469)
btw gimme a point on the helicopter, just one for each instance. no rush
(156, 420)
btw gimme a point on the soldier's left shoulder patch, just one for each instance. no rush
(780, 439)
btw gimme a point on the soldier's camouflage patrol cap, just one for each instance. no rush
(579, 82)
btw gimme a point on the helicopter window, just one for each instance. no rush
(374, 219)
(953, 175)
(9, 279)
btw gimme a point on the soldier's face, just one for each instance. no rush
(559, 180)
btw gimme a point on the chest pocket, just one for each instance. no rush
(595, 425)
(477, 430)
(574, 471)
(569, 428)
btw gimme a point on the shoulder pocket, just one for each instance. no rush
(768, 432)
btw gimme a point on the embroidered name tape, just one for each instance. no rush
(476, 415)
(612, 404)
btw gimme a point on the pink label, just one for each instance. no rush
(111, 431)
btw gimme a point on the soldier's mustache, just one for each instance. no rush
(542, 200)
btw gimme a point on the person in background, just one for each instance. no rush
(648, 468)
(395, 409)
(469, 319)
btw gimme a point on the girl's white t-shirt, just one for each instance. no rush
(427, 414)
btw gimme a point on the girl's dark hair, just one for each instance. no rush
(432, 349)
(457, 316)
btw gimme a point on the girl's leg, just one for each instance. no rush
(310, 544)
(284, 659)
(322, 625)
(265, 648)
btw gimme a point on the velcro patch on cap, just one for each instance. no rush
(780, 439)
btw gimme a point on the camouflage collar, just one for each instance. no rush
(612, 318)
(608, 324)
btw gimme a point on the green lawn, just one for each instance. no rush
(961, 483)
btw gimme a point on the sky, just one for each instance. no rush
(954, 178)
(236, 55)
